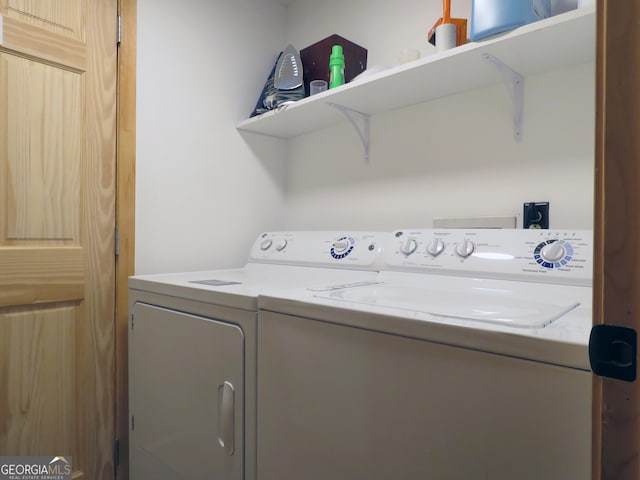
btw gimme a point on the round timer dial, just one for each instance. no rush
(342, 247)
(553, 253)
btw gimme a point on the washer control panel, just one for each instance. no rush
(554, 256)
(358, 250)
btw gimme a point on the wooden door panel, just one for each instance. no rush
(46, 46)
(40, 275)
(39, 379)
(64, 17)
(43, 151)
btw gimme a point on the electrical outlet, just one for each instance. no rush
(535, 215)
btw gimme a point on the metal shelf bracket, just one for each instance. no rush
(515, 84)
(362, 131)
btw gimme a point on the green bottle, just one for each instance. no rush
(336, 67)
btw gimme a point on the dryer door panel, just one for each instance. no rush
(186, 396)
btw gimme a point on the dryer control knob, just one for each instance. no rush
(280, 245)
(409, 246)
(266, 244)
(436, 247)
(341, 245)
(465, 248)
(553, 252)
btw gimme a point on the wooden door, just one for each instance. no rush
(57, 216)
(616, 290)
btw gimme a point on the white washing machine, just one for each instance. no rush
(468, 362)
(192, 351)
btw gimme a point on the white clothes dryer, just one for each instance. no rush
(468, 361)
(192, 351)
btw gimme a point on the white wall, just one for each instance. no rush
(203, 192)
(453, 157)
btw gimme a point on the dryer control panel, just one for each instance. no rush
(357, 250)
(553, 256)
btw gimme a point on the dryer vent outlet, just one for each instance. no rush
(535, 215)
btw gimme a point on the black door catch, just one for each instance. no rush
(613, 352)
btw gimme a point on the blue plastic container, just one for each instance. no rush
(490, 17)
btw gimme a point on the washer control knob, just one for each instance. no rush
(409, 246)
(266, 244)
(281, 244)
(553, 252)
(341, 245)
(436, 247)
(465, 248)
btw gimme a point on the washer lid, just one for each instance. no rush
(503, 306)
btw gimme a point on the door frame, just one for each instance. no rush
(125, 223)
(616, 203)
(616, 278)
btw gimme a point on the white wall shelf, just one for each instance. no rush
(558, 42)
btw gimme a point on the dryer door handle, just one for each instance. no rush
(226, 417)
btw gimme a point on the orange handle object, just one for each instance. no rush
(446, 11)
